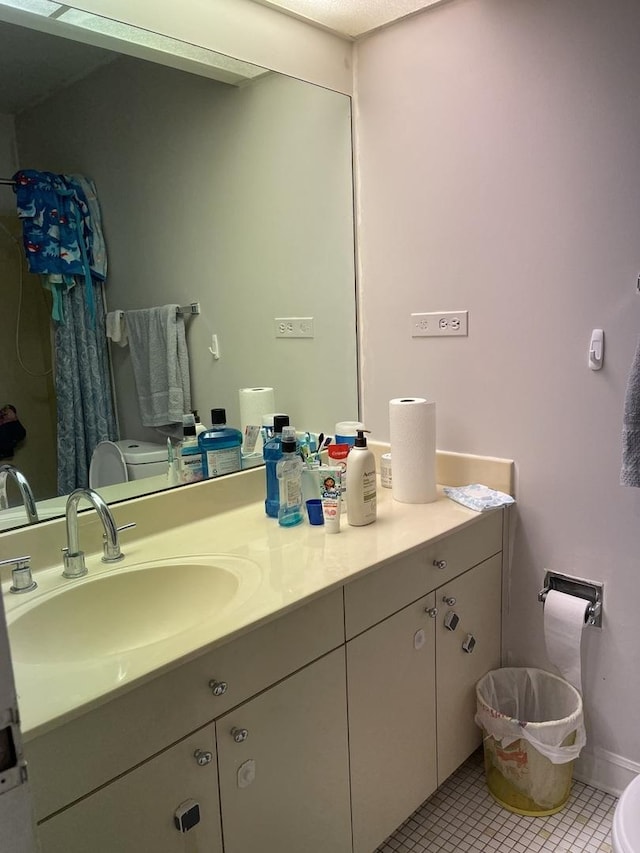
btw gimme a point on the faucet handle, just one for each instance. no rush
(20, 574)
(111, 553)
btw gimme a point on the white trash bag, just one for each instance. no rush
(542, 712)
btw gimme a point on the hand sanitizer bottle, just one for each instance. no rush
(289, 473)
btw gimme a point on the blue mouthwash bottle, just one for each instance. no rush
(272, 453)
(220, 446)
(289, 473)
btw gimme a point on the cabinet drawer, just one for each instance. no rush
(381, 593)
(135, 812)
(87, 752)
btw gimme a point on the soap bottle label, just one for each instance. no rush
(369, 493)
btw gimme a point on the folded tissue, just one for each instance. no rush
(478, 497)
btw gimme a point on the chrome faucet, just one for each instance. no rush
(25, 490)
(74, 565)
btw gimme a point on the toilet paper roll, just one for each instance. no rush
(412, 427)
(254, 403)
(564, 621)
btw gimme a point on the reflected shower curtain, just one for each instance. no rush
(83, 386)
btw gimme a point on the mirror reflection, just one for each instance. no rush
(236, 196)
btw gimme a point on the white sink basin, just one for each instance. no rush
(122, 609)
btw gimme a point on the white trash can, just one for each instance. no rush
(533, 730)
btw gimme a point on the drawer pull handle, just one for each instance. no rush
(451, 620)
(203, 757)
(239, 735)
(449, 600)
(218, 688)
(440, 564)
(469, 644)
(431, 611)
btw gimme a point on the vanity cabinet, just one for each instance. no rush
(392, 721)
(136, 812)
(284, 765)
(411, 679)
(320, 730)
(478, 598)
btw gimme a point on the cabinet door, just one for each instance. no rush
(392, 717)
(478, 597)
(136, 812)
(284, 771)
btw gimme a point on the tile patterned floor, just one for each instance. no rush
(462, 817)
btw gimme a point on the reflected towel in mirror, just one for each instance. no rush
(160, 364)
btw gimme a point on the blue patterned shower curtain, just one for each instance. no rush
(64, 243)
(83, 386)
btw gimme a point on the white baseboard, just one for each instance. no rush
(605, 770)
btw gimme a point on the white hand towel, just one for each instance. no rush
(116, 328)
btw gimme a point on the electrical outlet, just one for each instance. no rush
(294, 327)
(439, 324)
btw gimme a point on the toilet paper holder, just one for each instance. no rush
(592, 591)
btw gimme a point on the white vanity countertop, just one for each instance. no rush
(290, 566)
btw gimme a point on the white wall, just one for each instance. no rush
(498, 146)
(238, 198)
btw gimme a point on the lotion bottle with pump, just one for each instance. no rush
(361, 483)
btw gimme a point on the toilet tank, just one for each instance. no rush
(143, 458)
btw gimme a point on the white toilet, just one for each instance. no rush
(625, 833)
(121, 461)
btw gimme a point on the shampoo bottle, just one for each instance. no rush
(361, 484)
(190, 455)
(272, 453)
(289, 474)
(220, 446)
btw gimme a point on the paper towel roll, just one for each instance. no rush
(412, 426)
(254, 403)
(564, 617)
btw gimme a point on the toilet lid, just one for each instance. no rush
(107, 466)
(142, 452)
(626, 821)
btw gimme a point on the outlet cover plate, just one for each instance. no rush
(294, 327)
(439, 324)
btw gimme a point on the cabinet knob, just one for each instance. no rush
(203, 757)
(469, 644)
(218, 687)
(451, 621)
(431, 611)
(239, 735)
(440, 564)
(449, 600)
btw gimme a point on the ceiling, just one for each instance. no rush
(35, 64)
(351, 18)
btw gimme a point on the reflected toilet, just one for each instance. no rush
(625, 833)
(121, 461)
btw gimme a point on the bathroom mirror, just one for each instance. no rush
(219, 183)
